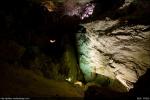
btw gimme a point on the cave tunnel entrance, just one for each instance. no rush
(43, 35)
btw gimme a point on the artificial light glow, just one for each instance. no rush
(49, 5)
(52, 41)
(78, 83)
(82, 11)
(68, 79)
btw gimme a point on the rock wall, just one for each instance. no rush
(123, 53)
(116, 49)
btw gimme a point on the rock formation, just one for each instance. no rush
(114, 48)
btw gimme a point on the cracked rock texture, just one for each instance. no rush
(114, 49)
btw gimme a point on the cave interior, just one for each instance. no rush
(41, 53)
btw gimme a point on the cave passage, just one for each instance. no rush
(75, 48)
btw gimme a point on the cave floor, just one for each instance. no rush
(23, 82)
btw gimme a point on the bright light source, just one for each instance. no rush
(78, 83)
(68, 79)
(52, 41)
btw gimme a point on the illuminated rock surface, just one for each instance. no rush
(114, 49)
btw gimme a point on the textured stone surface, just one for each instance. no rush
(126, 3)
(114, 49)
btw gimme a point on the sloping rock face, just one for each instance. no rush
(114, 49)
